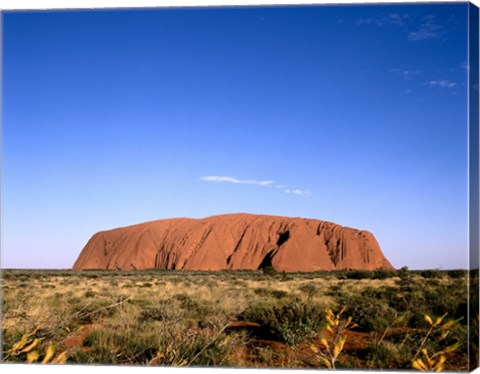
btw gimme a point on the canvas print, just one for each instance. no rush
(250, 187)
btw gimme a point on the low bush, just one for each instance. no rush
(359, 274)
(289, 322)
(335, 290)
(158, 313)
(309, 289)
(375, 293)
(430, 274)
(269, 270)
(383, 274)
(458, 273)
(277, 294)
(193, 308)
(403, 273)
(370, 314)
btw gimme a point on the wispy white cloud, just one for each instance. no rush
(397, 19)
(410, 75)
(416, 29)
(405, 74)
(441, 84)
(365, 21)
(429, 29)
(390, 19)
(297, 191)
(464, 66)
(262, 183)
(223, 179)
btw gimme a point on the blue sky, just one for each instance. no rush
(350, 114)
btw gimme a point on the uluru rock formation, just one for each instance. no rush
(233, 241)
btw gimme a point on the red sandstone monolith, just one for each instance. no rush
(233, 241)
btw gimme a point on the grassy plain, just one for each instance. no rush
(344, 319)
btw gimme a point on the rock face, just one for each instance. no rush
(233, 241)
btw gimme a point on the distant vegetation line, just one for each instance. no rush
(339, 274)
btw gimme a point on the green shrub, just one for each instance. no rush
(428, 274)
(439, 301)
(261, 291)
(375, 293)
(382, 274)
(191, 307)
(91, 276)
(47, 286)
(277, 294)
(458, 273)
(309, 289)
(368, 313)
(290, 322)
(269, 270)
(284, 277)
(403, 273)
(341, 274)
(335, 290)
(359, 274)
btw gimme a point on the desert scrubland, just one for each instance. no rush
(340, 319)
